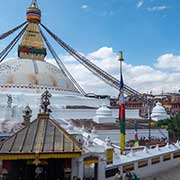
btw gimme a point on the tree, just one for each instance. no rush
(172, 125)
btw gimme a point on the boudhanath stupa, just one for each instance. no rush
(24, 79)
(39, 102)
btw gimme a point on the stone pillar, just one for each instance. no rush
(102, 168)
(80, 168)
(8, 113)
(1, 165)
(74, 171)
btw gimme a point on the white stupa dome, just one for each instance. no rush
(25, 73)
(104, 111)
(104, 115)
(159, 112)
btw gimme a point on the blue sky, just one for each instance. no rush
(87, 25)
(143, 29)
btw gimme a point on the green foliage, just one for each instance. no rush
(172, 125)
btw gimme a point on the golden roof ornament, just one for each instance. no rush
(36, 162)
(45, 102)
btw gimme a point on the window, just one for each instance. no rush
(167, 157)
(155, 160)
(129, 167)
(111, 172)
(142, 164)
(176, 155)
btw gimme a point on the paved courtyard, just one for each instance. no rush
(171, 174)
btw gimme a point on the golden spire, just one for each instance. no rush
(32, 45)
(33, 13)
(121, 56)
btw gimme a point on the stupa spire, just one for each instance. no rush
(32, 45)
(33, 13)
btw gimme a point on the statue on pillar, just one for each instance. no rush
(45, 102)
(9, 101)
(27, 114)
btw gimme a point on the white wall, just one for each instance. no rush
(114, 134)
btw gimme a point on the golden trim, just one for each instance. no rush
(93, 161)
(176, 155)
(167, 157)
(128, 167)
(142, 164)
(41, 156)
(155, 160)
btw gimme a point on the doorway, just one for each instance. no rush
(51, 169)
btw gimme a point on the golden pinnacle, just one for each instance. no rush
(121, 56)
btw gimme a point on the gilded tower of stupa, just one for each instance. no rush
(25, 78)
(32, 45)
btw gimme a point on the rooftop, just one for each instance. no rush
(44, 137)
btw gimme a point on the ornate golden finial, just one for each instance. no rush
(36, 162)
(45, 102)
(121, 56)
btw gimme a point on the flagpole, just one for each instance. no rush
(136, 140)
(121, 107)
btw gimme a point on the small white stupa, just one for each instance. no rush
(104, 115)
(159, 112)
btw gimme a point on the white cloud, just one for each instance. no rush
(168, 61)
(84, 6)
(102, 53)
(140, 3)
(157, 8)
(142, 78)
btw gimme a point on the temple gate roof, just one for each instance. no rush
(43, 138)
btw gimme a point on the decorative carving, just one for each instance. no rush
(89, 141)
(45, 102)
(36, 162)
(108, 141)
